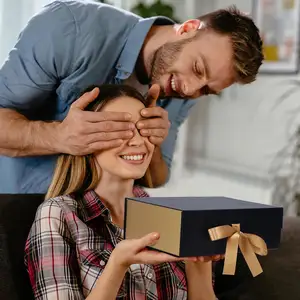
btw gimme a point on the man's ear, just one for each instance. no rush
(188, 26)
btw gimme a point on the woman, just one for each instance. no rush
(75, 248)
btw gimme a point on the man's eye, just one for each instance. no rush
(197, 70)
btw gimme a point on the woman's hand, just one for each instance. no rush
(206, 258)
(199, 277)
(134, 251)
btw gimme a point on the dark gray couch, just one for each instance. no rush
(280, 280)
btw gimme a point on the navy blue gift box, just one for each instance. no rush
(184, 222)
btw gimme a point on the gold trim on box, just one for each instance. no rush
(143, 218)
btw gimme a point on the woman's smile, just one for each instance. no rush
(135, 158)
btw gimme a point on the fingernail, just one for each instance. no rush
(144, 112)
(128, 116)
(141, 125)
(155, 236)
(144, 131)
(131, 126)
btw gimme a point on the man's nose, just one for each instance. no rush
(193, 87)
(137, 140)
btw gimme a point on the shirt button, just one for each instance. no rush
(150, 276)
(102, 263)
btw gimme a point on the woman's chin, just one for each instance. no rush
(131, 174)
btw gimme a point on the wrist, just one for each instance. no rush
(42, 137)
(56, 138)
(116, 263)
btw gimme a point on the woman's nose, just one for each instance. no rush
(136, 140)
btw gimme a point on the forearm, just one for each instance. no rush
(199, 281)
(22, 137)
(158, 169)
(108, 284)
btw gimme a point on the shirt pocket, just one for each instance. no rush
(92, 260)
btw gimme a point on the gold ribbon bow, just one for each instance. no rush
(250, 244)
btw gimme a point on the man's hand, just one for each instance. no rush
(84, 132)
(156, 123)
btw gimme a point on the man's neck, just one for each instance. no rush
(113, 192)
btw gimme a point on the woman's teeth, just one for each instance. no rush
(173, 84)
(132, 157)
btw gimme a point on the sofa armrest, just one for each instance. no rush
(281, 276)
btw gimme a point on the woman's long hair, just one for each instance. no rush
(77, 174)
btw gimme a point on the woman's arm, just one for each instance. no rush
(52, 262)
(50, 256)
(108, 284)
(199, 280)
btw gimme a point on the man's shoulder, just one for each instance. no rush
(94, 13)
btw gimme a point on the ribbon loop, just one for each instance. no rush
(250, 245)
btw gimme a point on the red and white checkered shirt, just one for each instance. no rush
(70, 243)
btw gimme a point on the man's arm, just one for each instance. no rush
(41, 57)
(158, 168)
(21, 137)
(178, 110)
(45, 55)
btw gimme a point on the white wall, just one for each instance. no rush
(228, 145)
(231, 144)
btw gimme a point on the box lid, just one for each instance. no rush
(203, 203)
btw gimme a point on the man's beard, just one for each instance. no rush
(163, 59)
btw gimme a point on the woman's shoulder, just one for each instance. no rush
(139, 192)
(56, 206)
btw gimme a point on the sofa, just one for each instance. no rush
(279, 281)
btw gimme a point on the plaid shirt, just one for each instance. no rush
(70, 243)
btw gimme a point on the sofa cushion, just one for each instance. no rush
(17, 213)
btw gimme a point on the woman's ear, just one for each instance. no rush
(188, 26)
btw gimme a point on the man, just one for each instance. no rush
(71, 45)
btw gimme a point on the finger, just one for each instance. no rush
(155, 257)
(153, 132)
(109, 136)
(85, 99)
(147, 240)
(152, 123)
(216, 257)
(193, 259)
(153, 95)
(98, 116)
(108, 126)
(154, 112)
(103, 145)
(156, 140)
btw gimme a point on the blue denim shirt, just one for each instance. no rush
(67, 47)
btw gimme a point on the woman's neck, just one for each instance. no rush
(113, 192)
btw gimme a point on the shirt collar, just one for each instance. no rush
(93, 207)
(134, 43)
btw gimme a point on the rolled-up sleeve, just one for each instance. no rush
(39, 60)
(177, 116)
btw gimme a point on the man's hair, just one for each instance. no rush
(245, 38)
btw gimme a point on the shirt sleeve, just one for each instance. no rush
(40, 59)
(50, 258)
(168, 146)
